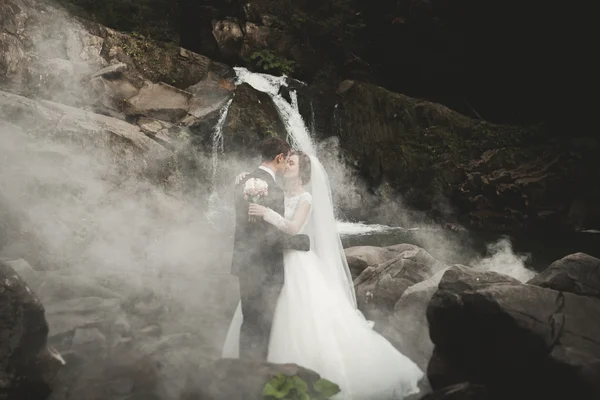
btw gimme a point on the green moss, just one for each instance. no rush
(295, 388)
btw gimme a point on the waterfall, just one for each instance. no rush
(217, 142)
(313, 120)
(298, 134)
(212, 214)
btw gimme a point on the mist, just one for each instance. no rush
(80, 212)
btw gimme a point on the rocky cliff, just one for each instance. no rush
(164, 101)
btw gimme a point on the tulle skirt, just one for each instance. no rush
(315, 326)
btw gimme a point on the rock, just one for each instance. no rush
(88, 337)
(380, 286)
(68, 315)
(460, 391)
(55, 56)
(57, 286)
(25, 271)
(237, 379)
(113, 70)
(360, 257)
(252, 117)
(63, 123)
(344, 86)
(513, 338)
(156, 129)
(27, 364)
(577, 273)
(159, 101)
(209, 96)
(230, 38)
(407, 328)
(115, 373)
(496, 177)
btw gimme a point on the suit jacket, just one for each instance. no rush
(258, 246)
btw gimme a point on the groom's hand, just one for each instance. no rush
(296, 242)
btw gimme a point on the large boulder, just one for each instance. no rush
(407, 328)
(577, 273)
(361, 257)
(28, 365)
(380, 286)
(516, 339)
(110, 136)
(251, 118)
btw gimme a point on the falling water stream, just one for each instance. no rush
(298, 133)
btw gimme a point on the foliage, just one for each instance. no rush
(268, 62)
(295, 388)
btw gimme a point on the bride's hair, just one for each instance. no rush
(304, 168)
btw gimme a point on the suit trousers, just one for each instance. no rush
(259, 294)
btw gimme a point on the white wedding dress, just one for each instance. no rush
(317, 325)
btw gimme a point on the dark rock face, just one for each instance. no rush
(520, 339)
(28, 365)
(498, 178)
(450, 52)
(252, 117)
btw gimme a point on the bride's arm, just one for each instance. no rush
(291, 227)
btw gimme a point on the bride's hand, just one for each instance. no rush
(257, 209)
(241, 176)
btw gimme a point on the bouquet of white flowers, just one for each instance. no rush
(254, 191)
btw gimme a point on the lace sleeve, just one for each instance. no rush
(291, 227)
(306, 197)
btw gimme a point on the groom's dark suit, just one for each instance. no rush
(258, 263)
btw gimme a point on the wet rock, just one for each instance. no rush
(360, 257)
(28, 365)
(577, 273)
(252, 117)
(63, 123)
(407, 328)
(380, 286)
(68, 315)
(159, 101)
(513, 338)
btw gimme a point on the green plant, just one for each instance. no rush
(295, 388)
(266, 61)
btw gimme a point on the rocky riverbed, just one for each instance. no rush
(472, 329)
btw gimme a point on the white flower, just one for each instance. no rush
(255, 188)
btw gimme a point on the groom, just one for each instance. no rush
(258, 252)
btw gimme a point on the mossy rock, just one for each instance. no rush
(416, 146)
(252, 117)
(155, 61)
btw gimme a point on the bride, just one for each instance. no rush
(317, 324)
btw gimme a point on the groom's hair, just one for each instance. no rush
(272, 147)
